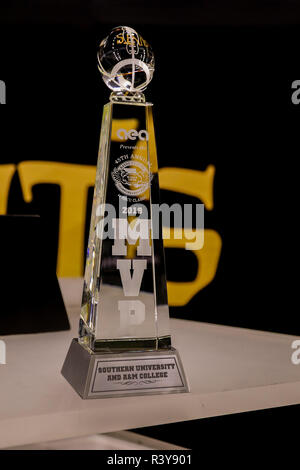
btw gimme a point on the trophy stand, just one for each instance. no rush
(124, 345)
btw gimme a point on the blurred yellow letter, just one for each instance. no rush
(74, 181)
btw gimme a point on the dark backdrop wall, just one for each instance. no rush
(222, 94)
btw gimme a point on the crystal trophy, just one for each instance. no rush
(124, 345)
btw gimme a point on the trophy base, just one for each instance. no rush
(103, 375)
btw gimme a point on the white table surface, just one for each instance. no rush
(230, 370)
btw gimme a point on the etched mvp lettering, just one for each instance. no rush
(132, 311)
(124, 320)
(132, 134)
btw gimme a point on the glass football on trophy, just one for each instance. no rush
(124, 345)
(125, 60)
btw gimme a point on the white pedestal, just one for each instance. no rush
(230, 370)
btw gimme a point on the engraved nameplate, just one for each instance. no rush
(136, 374)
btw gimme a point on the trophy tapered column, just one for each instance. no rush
(125, 302)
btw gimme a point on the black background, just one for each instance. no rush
(223, 73)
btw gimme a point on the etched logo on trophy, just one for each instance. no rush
(131, 178)
(132, 134)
